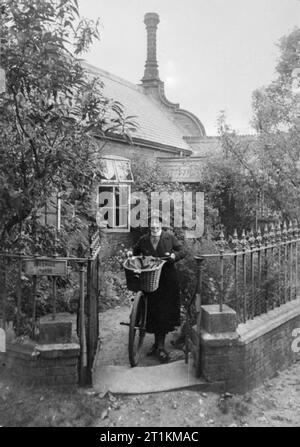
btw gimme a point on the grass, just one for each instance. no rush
(31, 406)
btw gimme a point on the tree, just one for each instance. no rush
(276, 119)
(264, 166)
(231, 181)
(274, 105)
(51, 113)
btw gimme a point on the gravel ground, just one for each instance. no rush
(275, 403)
(114, 340)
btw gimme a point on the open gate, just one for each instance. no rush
(12, 266)
(88, 311)
(193, 328)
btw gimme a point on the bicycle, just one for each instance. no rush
(138, 315)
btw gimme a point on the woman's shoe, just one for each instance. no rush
(163, 356)
(153, 351)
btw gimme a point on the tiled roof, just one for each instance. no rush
(154, 126)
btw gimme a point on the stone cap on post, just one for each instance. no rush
(215, 322)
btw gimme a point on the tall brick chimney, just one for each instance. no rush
(151, 75)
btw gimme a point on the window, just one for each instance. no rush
(114, 193)
(115, 171)
(114, 205)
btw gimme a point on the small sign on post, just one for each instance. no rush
(45, 266)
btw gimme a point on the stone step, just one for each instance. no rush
(150, 379)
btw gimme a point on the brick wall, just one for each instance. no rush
(42, 365)
(254, 352)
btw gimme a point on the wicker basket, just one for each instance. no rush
(146, 280)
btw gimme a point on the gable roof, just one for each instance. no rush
(154, 125)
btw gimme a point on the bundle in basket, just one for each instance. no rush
(145, 279)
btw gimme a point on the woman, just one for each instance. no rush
(163, 304)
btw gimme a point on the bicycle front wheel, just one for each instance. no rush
(137, 328)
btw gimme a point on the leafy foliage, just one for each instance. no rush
(50, 114)
(264, 167)
(276, 119)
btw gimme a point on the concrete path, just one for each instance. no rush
(150, 379)
(113, 373)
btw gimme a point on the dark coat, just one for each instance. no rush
(163, 304)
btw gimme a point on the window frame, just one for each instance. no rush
(116, 172)
(114, 185)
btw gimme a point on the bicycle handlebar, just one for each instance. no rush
(156, 258)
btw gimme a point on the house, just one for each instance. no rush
(164, 129)
(165, 132)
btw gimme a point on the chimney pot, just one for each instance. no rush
(151, 19)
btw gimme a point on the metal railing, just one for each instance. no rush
(256, 272)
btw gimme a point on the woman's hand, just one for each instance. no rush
(172, 256)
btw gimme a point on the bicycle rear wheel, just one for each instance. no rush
(137, 328)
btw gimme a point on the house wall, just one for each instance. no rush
(206, 146)
(111, 241)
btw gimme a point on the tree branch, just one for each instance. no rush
(25, 133)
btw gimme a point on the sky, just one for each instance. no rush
(212, 54)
